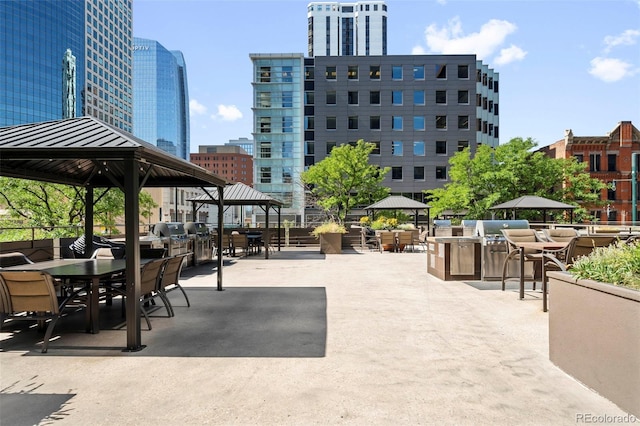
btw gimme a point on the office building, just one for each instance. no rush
(161, 97)
(230, 162)
(244, 143)
(608, 158)
(419, 110)
(34, 39)
(347, 29)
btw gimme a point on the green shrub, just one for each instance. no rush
(328, 227)
(618, 264)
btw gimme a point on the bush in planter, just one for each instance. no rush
(330, 235)
(329, 228)
(617, 264)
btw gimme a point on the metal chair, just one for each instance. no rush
(170, 280)
(31, 295)
(387, 238)
(239, 241)
(405, 239)
(14, 258)
(512, 236)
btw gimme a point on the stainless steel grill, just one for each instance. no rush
(201, 241)
(495, 250)
(173, 236)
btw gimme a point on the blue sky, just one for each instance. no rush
(563, 64)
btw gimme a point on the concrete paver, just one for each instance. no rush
(401, 348)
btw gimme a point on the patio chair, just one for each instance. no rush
(387, 239)
(405, 239)
(170, 280)
(512, 236)
(31, 295)
(368, 238)
(561, 235)
(239, 241)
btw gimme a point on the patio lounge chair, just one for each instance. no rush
(171, 279)
(512, 236)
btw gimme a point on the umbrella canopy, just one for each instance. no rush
(400, 202)
(533, 202)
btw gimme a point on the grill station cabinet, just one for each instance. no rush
(454, 258)
(173, 236)
(200, 241)
(495, 249)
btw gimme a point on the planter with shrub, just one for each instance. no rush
(330, 236)
(594, 322)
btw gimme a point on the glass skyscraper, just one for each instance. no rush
(34, 36)
(161, 97)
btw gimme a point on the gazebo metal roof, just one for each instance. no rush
(89, 153)
(400, 202)
(534, 202)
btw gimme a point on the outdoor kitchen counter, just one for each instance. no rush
(454, 258)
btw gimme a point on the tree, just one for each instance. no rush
(345, 179)
(509, 171)
(57, 208)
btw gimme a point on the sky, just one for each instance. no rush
(563, 64)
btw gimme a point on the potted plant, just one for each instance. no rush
(594, 332)
(330, 236)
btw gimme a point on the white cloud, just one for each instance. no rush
(627, 38)
(196, 108)
(610, 70)
(227, 113)
(450, 39)
(510, 54)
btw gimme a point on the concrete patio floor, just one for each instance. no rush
(361, 338)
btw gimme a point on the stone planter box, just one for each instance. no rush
(594, 336)
(331, 243)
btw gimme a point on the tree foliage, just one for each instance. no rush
(345, 179)
(57, 208)
(509, 171)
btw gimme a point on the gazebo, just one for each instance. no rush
(88, 153)
(240, 194)
(533, 202)
(400, 202)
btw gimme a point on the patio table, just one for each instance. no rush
(543, 247)
(87, 270)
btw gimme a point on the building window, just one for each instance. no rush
(287, 124)
(418, 122)
(287, 175)
(309, 148)
(352, 72)
(330, 73)
(462, 145)
(441, 172)
(330, 146)
(441, 121)
(396, 97)
(594, 162)
(265, 174)
(579, 157)
(463, 97)
(441, 96)
(352, 98)
(463, 71)
(441, 71)
(309, 98)
(331, 97)
(418, 97)
(495, 109)
(396, 148)
(374, 72)
(265, 124)
(396, 123)
(418, 72)
(353, 122)
(374, 98)
(376, 148)
(265, 149)
(331, 123)
(418, 148)
(308, 73)
(374, 122)
(463, 122)
(396, 173)
(418, 173)
(396, 72)
(441, 147)
(287, 99)
(611, 162)
(265, 74)
(611, 194)
(264, 99)
(287, 74)
(309, 123)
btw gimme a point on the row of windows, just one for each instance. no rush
(397, 173)
(397, 147)
(397, 123)
(595, 162)
(397, 72)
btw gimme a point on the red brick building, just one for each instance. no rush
(609, 159)
(228, 161)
